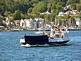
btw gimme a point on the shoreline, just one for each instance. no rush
(35, 30)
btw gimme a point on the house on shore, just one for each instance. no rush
(69, 17)
(30, 24)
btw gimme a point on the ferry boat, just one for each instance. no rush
(43, 40)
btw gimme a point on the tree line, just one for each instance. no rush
(21, 9)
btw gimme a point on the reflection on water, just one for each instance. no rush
(10, 49)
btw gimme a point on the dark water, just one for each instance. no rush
(10, 49)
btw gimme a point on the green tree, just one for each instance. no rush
(17, 15)
(40, 7)
(78, 7)
(69, 2)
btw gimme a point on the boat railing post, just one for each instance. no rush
(66, 37)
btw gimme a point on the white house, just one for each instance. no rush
(61, 14)
(22, 23)
(7, 21)
(78, 21)
(47, 12)
(38, 23)
(28, 23)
